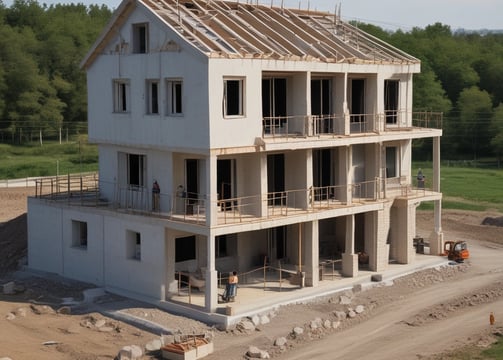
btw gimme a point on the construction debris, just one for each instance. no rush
(191, 347)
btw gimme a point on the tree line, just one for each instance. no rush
(462, 76)
(43, 88)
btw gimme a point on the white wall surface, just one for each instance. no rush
(105, 261)
(45, 241)
(85, 264)
(145, 276)
(189, 130)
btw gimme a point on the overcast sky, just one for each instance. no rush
(389, 14)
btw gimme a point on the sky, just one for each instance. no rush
(387, 14)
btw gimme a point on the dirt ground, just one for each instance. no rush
(420, 316)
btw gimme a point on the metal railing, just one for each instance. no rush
(191, 207)
(331, 124)
(82, 189)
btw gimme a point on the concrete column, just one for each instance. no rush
(170, 249)
(263, 184)
(372, 240)
(345, 160)
(349, 258)
(211, 191)
(437, 237)
(342, 195)
(211, 287)
(311, 253)
(403, 227)
(347, 117)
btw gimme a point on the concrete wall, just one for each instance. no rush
(105, 260)
(136, 127)
(45, 237)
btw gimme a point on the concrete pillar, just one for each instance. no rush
(170, 248)
(211, 191)
(263, 184)
(437, 237)
(349, 258)
(403, 222)
(347, 115)
(311, 253)
(345, 160)
(211, 287)
(371, 240)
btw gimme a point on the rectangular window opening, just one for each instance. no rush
(391, 100)
(121, 96)
(133, 245)
(79, 234)
(174, 97)
(233, 97)
(140, 38)
(136, 170)
(153, 97)
(391, 162)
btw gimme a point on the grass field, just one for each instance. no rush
(50, 159)
(468, 188)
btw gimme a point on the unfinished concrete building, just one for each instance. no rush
(280, 138)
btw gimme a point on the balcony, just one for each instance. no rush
(334, 125)
(83, 190)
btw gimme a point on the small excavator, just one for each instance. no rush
(456, 251)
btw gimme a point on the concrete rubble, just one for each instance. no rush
(255, 353)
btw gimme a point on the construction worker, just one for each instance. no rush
(232, 285)
(156, 193)
(420, 179)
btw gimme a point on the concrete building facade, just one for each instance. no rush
(278, 137)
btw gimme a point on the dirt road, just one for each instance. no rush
(427, 322)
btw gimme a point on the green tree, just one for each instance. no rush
(475, 110)
(497, 128)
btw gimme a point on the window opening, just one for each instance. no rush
(121, 96)
(153, 97)
(225, 182)
(140, 38)
(391, 99)
(358, 102)
(322, 174)
(276, 179)
(274, 104)
(233, 97)
(391, 153)
(185, 248)
(133, 245)
(79, 234)
(174, 97)
(192, 179)
(136, 170)
(321, 105)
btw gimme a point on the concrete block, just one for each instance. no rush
(376, 277)
(9, 288)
